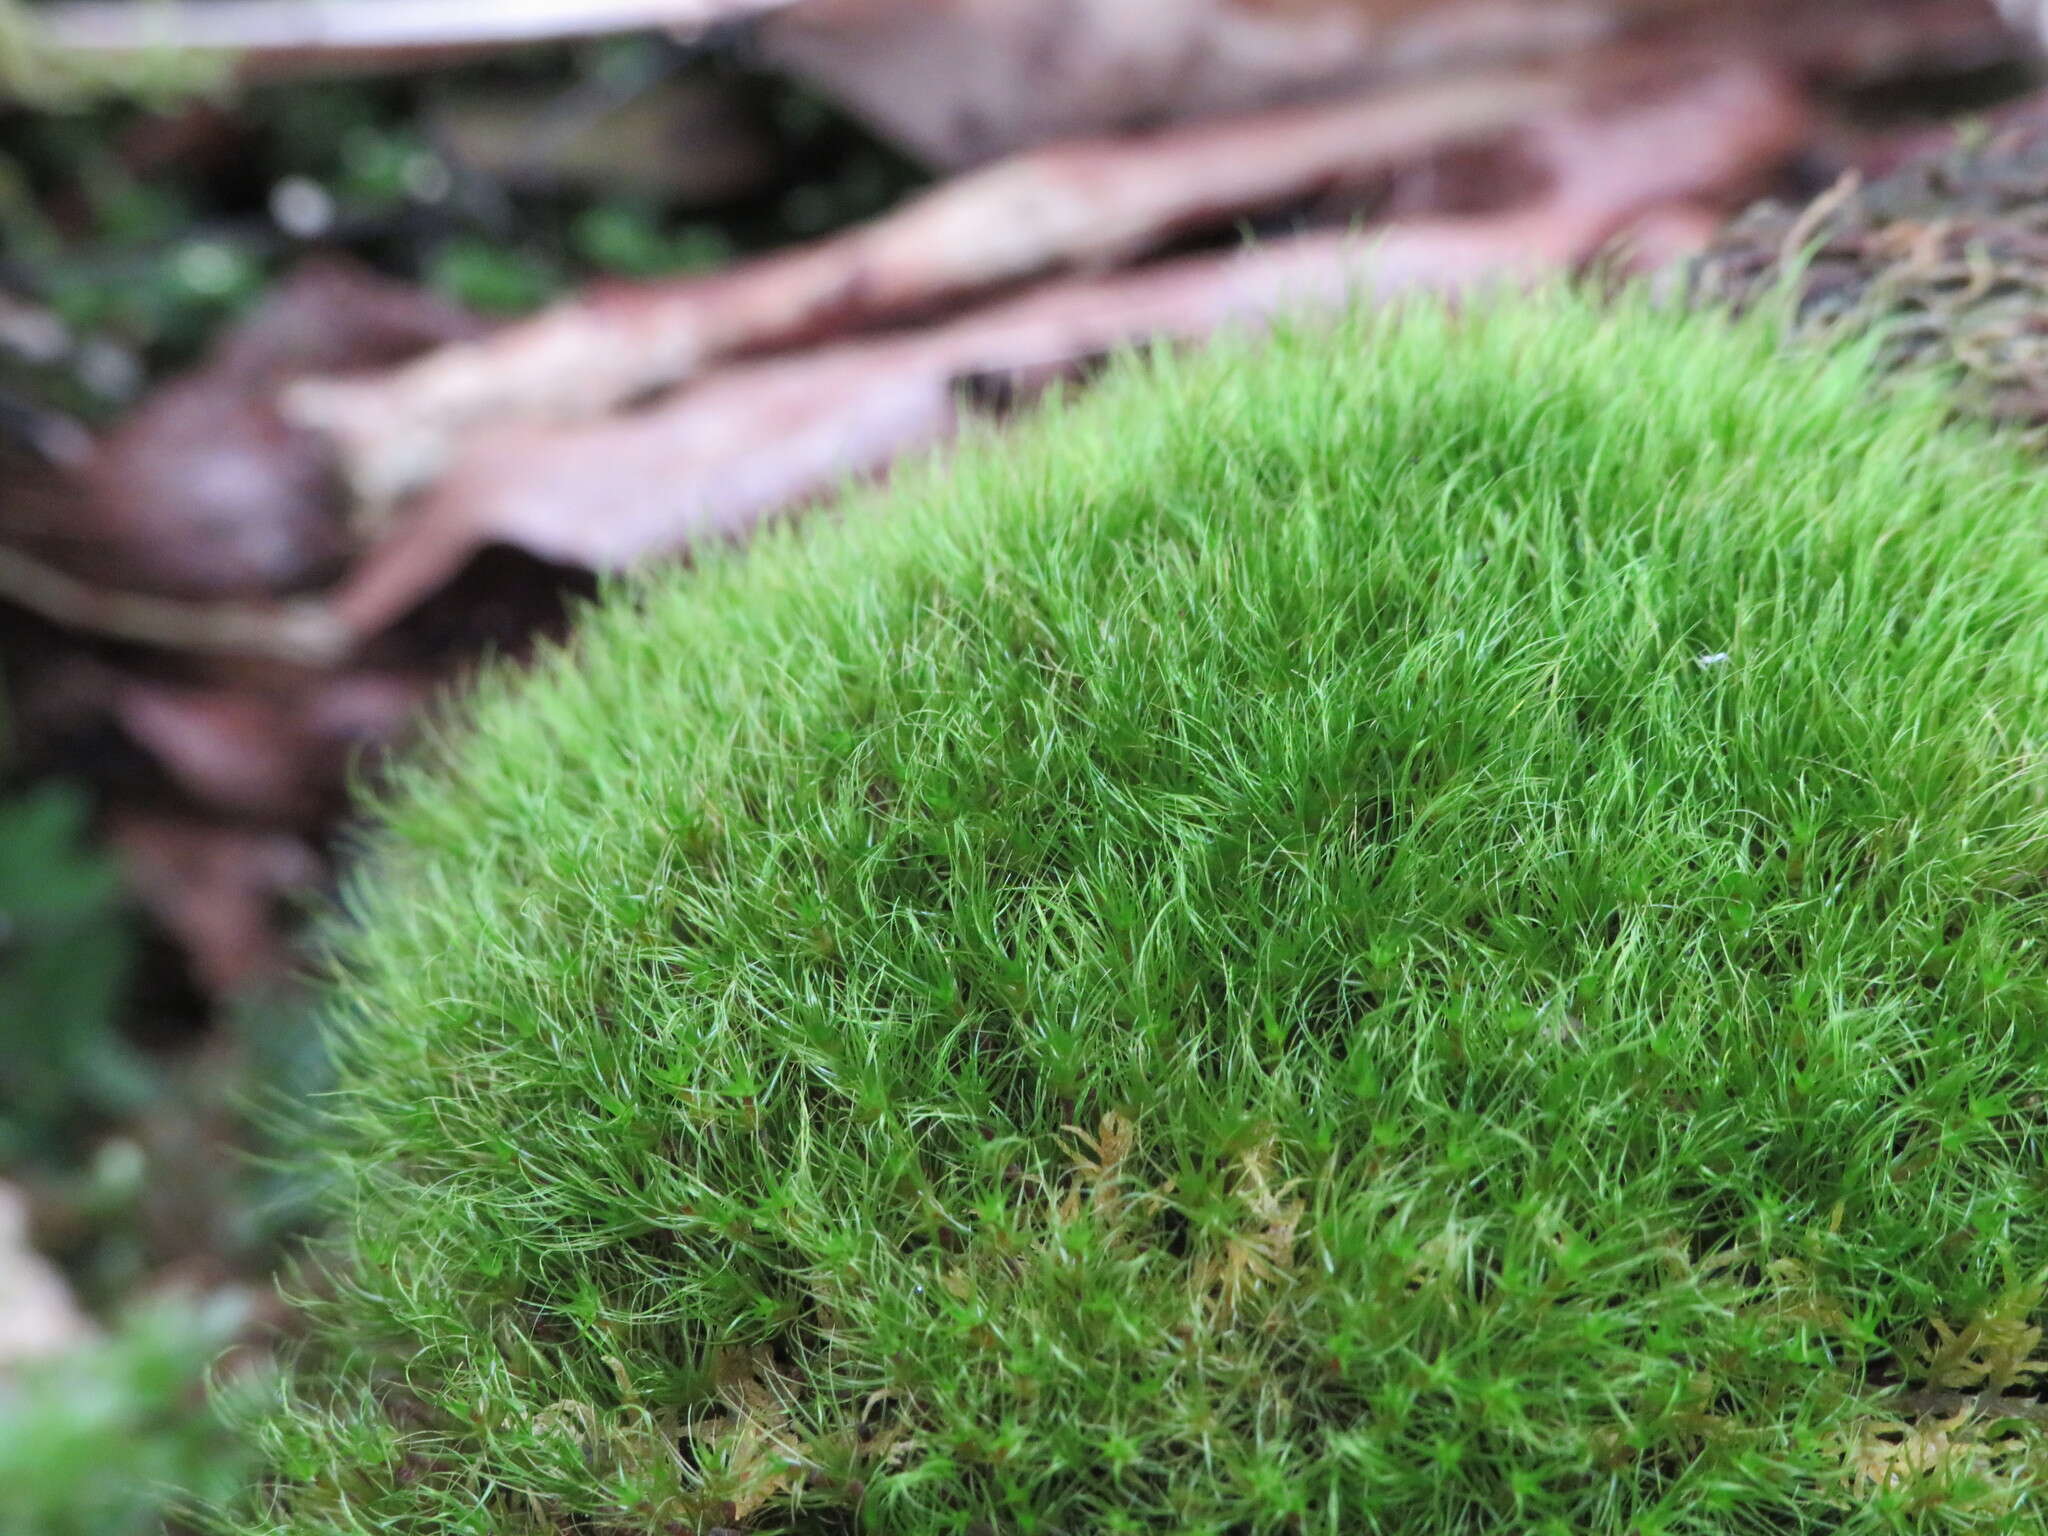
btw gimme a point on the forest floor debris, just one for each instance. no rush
(343, 478)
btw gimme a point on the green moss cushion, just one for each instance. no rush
(1433, 928)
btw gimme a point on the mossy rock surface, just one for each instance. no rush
(1945, 256)
(1439, 927)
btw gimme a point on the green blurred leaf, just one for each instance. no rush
(65, 953)
(100, 1440)
(492, 278)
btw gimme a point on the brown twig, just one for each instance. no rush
(301, 632)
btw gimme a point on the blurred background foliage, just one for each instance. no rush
(66, 952)
(95, 1435)
(500, 185)
(105, 1439)
(144, 208)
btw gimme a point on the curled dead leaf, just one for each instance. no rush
(206, 491)
(1089, 204)
(754, 440)
(279, 755)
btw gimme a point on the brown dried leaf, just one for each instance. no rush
(206, 491)
(1261, 1252)
(1993, 1350)
(1088, 204)
(751, 1456)
(1098, 1168)
(1937, 1458)
(755, 440)
(281, 755)
(962, 81)
(1092, 204)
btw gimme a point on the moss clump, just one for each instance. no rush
(1438, 928)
